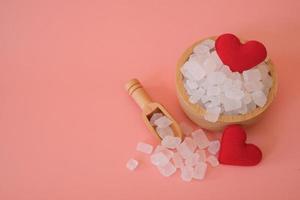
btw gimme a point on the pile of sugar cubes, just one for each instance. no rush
(190, 156)
(215, 87)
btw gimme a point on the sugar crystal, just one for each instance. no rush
(132, 164)
(213, 161)
(200, 138)
(144, 147)
(171, 142)
(214, 147)
(167, 170)
(199, 171)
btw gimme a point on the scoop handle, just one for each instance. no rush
(138, 93)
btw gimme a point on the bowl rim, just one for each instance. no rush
(199, 110)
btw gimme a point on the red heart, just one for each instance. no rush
(234, 150)
(239, 57)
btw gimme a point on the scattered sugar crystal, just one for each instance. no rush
(213, 161)
(167, 169)
(159, 148)
(177, 160)
(186, 129)
(163, 122)
(162, 149)
(212, 114)
(132, 164)
(192, 160)
(214, 147)
(168, 153)
(199, 171)
(202, 155)
(200, 139)
(252, 75)
(187, 173)
(163, 132)
(190, 143)
(154, 117)
(259, 98)
(184, 150)
(144, 147)
(159, 159)
(171, 142)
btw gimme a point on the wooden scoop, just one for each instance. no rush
(140, 96)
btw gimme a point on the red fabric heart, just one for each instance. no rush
(234, 150)
(239, 57)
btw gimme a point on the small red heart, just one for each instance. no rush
(239, 57)
(234, 150)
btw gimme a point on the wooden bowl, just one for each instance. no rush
(196, 112)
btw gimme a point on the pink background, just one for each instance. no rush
(67, 127)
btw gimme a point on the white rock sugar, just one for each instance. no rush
(214, 147)
(199, 171)
(200, 138)
(187, 173)
(163, 122)
(163, 132)
(170, 142)
(189, 155)
(177, 160)
(144, 147)
(154, 117)
(213, 161)
(212, 85)
(167, 170)
(159, 159)
(132, 164)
